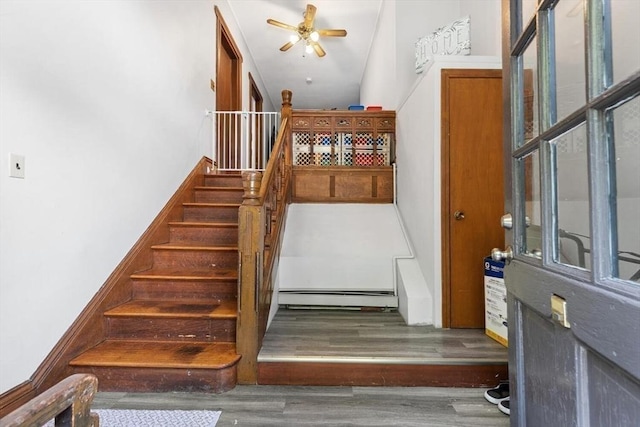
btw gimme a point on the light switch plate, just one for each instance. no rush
(16, 165)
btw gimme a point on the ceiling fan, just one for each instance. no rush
(306, 32)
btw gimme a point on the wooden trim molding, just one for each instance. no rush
(342, 184)
(448, 180)
(225, 29)
(14, 398)
(225, 38)
(445, 201)
(88, 329)
(380, 374)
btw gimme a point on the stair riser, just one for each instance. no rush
(165, 290)
(218, 196)
(204, 235)
(211, 214)
(157, 380)
(171, 329)
(165, 258)
(223, 181)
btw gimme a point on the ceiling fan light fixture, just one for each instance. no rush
(306, 32)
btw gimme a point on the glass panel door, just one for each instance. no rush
(572, 83)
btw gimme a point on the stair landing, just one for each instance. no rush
(333, 347)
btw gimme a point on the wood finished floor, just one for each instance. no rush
(338, 335)
(281, 406)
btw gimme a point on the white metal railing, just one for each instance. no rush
(243, 140)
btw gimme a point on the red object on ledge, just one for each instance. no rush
(374, 107)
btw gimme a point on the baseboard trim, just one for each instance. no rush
(14, 398)
(323, 299)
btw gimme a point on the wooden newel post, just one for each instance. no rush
(251, 182)
(286, 113)
(286, 102)
(250, 250)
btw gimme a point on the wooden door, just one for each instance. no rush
(228, 96)
(472, 193)
(257, 148)
(571, 168)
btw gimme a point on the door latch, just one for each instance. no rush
(559, 310)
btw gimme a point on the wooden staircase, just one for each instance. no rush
(178, 330)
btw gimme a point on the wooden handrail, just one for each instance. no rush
(69, 402)
(269, 172)
(260, 227)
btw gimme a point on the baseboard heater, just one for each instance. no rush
(338, 298)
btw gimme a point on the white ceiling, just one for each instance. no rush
(335, 78)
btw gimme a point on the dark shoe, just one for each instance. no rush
(504, 406)
(497, 394)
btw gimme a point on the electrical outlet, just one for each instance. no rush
(16, 165)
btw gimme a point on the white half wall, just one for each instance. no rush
(350, 255)
(340, 247)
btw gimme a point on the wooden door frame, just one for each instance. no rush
(445, 182)
(255, 90)
(223, 36)
(256, 97)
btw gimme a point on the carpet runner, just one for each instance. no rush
(147, 418)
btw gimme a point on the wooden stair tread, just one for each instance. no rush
(225, 309)
(187, 274)
(203, 224)
(213, 188)
(159, 354)
(211, 205)
(195, 246)
(225, 173)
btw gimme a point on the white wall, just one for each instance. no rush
(418, 176)
(486, 31)
(417, 101)
(416, 19)
(378, 86)
(390, 71)
(106, 101)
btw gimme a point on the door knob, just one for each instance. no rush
(458, 215)
(506, 221)
(498, 255)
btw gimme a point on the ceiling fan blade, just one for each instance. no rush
(309, 16)
(319, 50)
(332, 33)
(285, 47)
(282, 25)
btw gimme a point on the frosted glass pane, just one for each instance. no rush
(533, 237)
(572, 202)
(529, 59)
(626, 121)
(528, 10)
(625, 31)
(570, 62)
